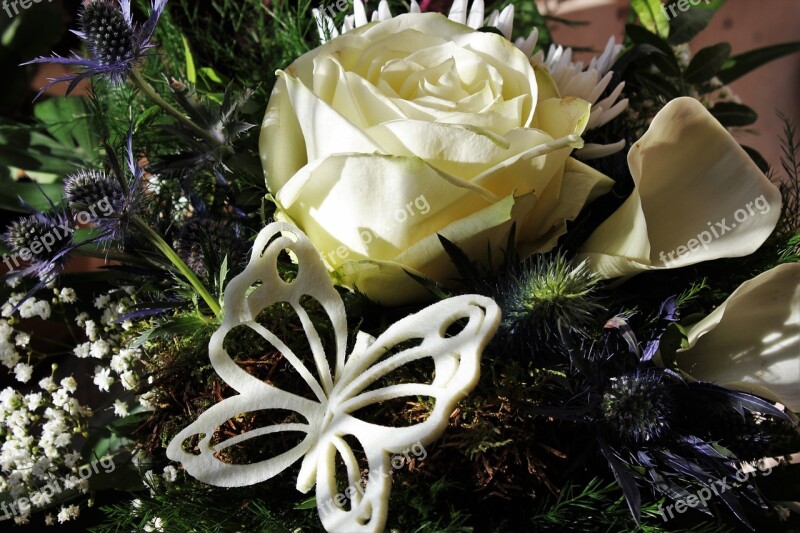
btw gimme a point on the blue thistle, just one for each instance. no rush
(106, 197)
(203, 242)
(115, 43)
(656, 429)
(42, 242)
(637, 406)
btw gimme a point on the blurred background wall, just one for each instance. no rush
(745, 24)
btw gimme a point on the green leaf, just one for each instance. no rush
(666, 62)
(310, 503)
(146, 117)
(738, 66)
(707, 62)
(529, 16)
(757, 158)
(685, 27)
(24, 148)
(731, 115)
(191, 73)
(652, 16)
(68, 121)
(101, 442)
(181, 326)
(122, 475)
(211, 75)
(655, 84)
(223, 275)
(673, 339)
(12, 191)
(125, 427)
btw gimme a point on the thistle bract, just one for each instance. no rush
(109, 200)
(546, 292)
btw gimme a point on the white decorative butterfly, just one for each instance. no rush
(329, 418)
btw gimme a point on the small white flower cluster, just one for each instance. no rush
(105, 337)
(37, 430)
(106, 343)
(15, 351)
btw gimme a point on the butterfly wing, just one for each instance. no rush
(243, 303)
(204, 447)
(427, 334)
(208, 461)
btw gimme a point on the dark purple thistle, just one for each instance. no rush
(115, 43)
(107, 199)
(40, 244)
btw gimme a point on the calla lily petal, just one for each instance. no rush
(752, 341)
(698, 197)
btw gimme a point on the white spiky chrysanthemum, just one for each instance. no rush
(572, 78)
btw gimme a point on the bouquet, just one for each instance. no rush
(393, 266)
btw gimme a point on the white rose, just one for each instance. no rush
(400, 130)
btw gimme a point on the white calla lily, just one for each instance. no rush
(752, 341)
(698, 197)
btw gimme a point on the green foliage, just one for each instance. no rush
(685, 27)
(651, 16)
(742, 64)
(192, 507)
(598, 507)
(546, 293)
(790, 187)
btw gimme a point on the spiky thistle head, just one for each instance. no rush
(109, 33)
(108, 199)
(115, 43)
(43, 241)
(204, 242)
(92, 187)
(637, 406)
(545, 293)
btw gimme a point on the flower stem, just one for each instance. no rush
(147, 89)
(170, 254)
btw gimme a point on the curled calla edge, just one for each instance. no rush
(751, 341)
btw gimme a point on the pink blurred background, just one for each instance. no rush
(745, 24)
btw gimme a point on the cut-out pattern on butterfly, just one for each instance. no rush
(338, 392)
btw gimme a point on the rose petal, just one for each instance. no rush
(561, 201)
(387, 281)
(752, 341)
(693, 183)
(339, 134)
(419, 199)
(356, 99)
(281, 144)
